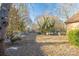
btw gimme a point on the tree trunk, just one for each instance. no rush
(4, 10)
(2, 48)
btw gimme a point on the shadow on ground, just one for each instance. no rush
(26, 47)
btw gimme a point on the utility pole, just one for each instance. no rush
(4, 10)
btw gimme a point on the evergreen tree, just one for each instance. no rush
(14, 23)
(22, 26)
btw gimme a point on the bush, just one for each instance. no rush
(73, 36)
(13, 37)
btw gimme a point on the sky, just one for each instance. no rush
(37, 9)
(40, 9)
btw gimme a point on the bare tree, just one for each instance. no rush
(45, 23)
(24, 14)
(65, 10)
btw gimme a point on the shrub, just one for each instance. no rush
(13, 37)
(73, 36)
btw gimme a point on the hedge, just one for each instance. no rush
(73, 37)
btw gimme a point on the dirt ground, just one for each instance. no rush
(42, 45)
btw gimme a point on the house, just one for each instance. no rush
(73, 22)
